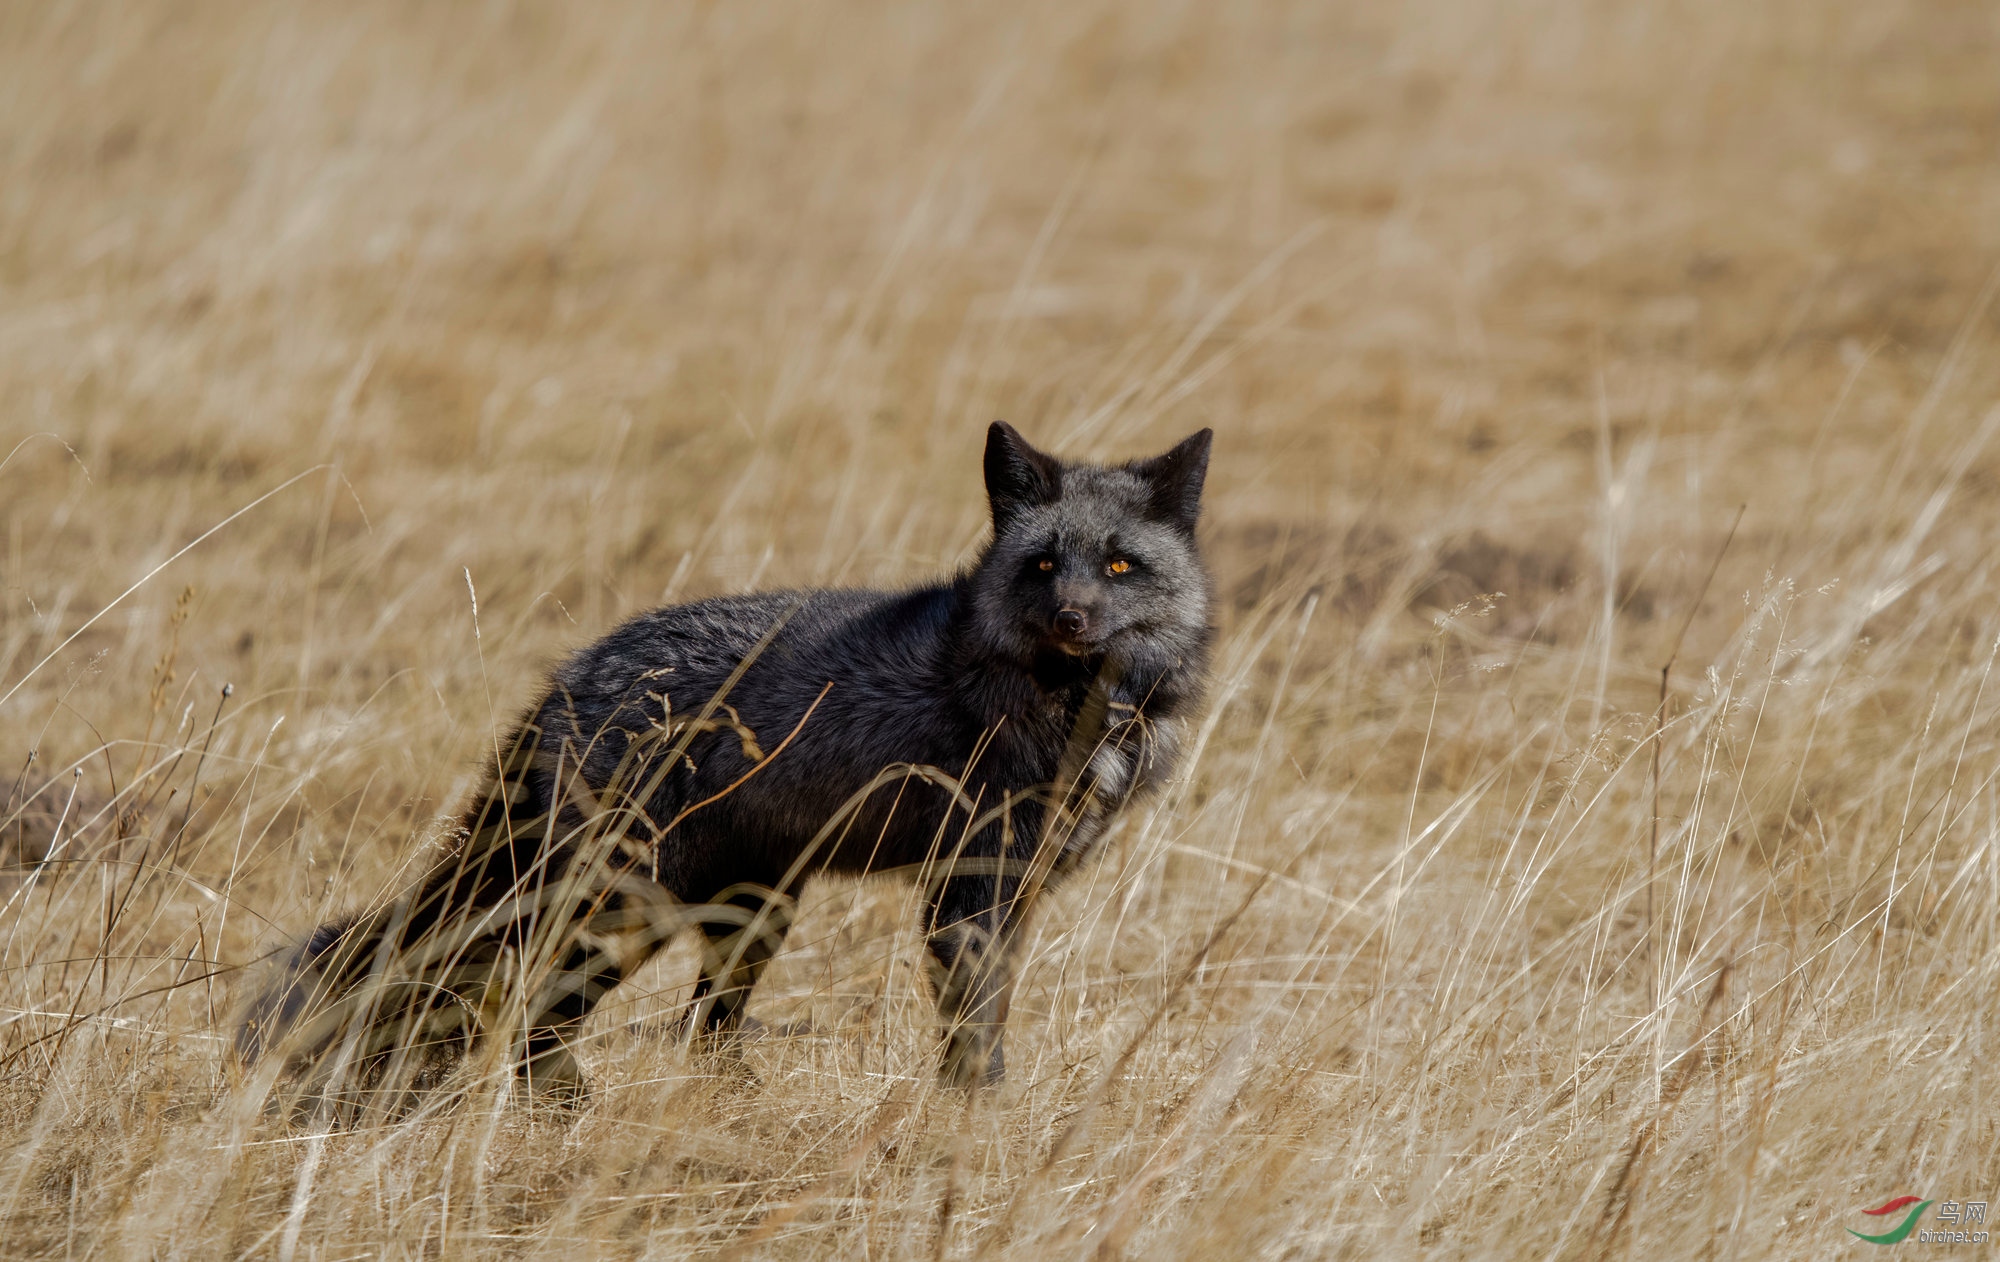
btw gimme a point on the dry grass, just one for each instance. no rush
(587, 311)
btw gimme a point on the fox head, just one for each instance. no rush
(1091, 561)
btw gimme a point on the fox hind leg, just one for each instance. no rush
(745, 928)
(548, 1066)
(609, 947)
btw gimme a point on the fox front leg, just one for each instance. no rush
(1144, 691)
(1153, 679)
(972, 970)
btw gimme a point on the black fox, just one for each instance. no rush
(698, 764)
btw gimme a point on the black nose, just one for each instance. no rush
(1071, 621)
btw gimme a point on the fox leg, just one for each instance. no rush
(972, 969)
(548, 1064)
(610, 946)
(748, 928)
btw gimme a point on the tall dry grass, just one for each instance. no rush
(365, 357)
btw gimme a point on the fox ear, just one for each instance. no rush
(1017, 476)
(1176, 478)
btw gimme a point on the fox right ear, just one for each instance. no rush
(1017, 476)
(1176, 478)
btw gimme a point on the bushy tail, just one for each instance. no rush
(285, 996)
(510, 941)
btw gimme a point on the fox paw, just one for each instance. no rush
(555, 1077)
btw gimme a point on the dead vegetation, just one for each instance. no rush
(364, 357)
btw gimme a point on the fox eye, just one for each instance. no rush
(1119, 565)
(1045, 565)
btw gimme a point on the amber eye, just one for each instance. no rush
(1045, 565)
(1118, 566)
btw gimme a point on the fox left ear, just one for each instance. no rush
(1017, 475)
(1176, 478)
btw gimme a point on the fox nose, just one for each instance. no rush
(1071, 621)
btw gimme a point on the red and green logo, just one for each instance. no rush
(1901, 1231)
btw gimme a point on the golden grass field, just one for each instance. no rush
(320, 324)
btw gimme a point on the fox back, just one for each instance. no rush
(696, 766)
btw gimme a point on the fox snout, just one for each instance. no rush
(1075, 628)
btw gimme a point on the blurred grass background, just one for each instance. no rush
(1502, 313)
